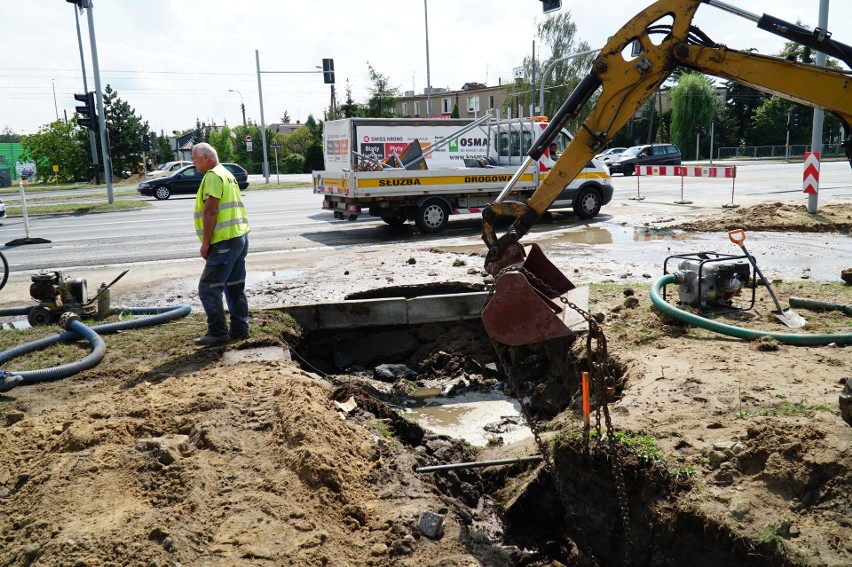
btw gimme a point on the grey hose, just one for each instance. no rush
(731, 330)
(157, 315)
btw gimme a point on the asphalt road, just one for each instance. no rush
(291, 222)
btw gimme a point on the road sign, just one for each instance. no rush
(810, 177)
(248, 146)
(248, 138)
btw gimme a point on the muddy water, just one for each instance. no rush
(633, 251)
(476, 417)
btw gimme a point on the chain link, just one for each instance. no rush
(603, 387)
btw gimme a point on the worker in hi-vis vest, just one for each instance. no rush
(222, 225)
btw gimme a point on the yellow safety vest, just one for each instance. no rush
(231, 218)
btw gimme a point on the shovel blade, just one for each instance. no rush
(791, 318)
(525, 310)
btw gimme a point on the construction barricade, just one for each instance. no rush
(686, 171)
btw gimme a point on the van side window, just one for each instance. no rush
(659, 150)
(527, 143)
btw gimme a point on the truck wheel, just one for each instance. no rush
(398, 220)
(432, 216)
(588, 203)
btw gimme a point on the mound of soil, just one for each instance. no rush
(223, 456)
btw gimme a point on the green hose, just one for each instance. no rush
(732, 331)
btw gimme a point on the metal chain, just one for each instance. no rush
(603, 385)
(549, 464)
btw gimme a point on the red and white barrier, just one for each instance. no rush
(686, 171)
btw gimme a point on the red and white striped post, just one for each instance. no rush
(810, 175)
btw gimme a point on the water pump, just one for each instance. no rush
(710, 280)
(57, 294)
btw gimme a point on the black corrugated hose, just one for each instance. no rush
(75, 330)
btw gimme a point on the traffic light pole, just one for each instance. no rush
(92, 144)
(101, 116)
(328, 73)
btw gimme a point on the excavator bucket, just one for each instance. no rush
(526, 305)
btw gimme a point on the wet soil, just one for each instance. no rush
(731, 452)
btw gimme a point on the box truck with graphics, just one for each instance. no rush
(464, 166)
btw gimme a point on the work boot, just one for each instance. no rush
(239, 336)
(210, 340)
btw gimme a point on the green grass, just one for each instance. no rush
(171, 340)
(771, 537)
(784, 409)
(77, 208)
(644, 446)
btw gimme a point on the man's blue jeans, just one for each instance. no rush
(225, 272)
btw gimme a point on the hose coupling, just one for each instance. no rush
(66, 318)
(9, 380)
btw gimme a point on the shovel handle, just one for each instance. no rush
(737, 236)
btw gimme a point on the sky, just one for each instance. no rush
(175, 61)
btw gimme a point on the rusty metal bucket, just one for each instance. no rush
(526, 308)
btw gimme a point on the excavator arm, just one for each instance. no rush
(665, 38)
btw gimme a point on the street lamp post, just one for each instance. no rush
(242, 105)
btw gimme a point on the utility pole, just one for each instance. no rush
(92, 144)
(428, 78)
(101, 117)
(328, 77)
(816, 131)
(262, 121)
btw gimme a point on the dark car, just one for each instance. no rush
(649, 154)
(186, 180)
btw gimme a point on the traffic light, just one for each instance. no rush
(86, 116)
(550, 5)
(795, 120)
(146, 143)
(328, 71)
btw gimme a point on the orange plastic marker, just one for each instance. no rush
(586, 410)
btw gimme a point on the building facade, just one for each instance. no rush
(473, 99)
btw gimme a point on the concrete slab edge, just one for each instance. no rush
(388, 311)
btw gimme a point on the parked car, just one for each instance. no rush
(649, 154)
(167, 168)
(186, 180)
(610, 154)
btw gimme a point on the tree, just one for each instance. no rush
(161, 149)
(306, 142)
(55, 144)
(742, 103)
(769, 124)
(455, 112)
(694, 105)
(124, 132)
(222, 140)
(349, 108)
(382, 99)
(9, 137)
(558, 34)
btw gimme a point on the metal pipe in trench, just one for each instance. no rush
(479, 464)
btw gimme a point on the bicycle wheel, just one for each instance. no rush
(5, 267)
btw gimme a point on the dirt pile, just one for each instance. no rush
(165, 454)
